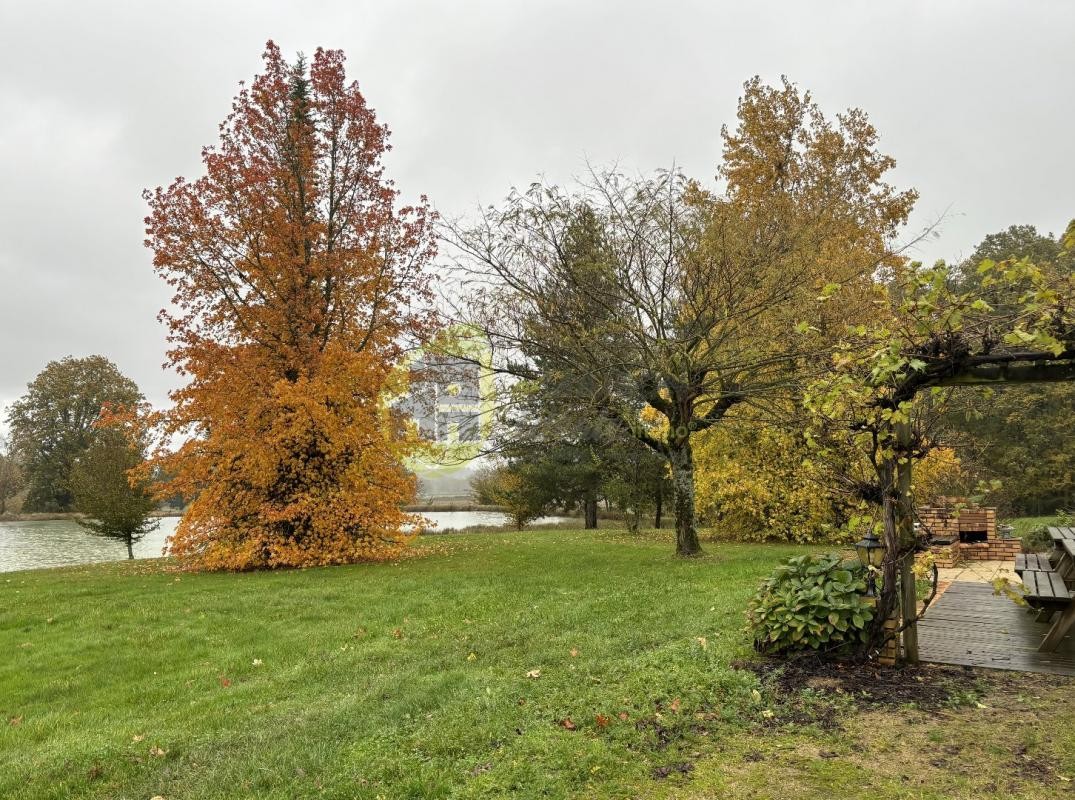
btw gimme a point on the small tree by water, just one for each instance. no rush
(113, 507)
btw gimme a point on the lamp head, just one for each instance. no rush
(870, 550)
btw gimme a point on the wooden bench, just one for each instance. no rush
(1034, 562)
(1046, 583)
(1064, 551)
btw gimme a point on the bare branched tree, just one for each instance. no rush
(658, 305)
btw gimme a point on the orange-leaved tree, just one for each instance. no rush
(298, 282)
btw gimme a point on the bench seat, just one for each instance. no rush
(1045, 588)
(1034, 562)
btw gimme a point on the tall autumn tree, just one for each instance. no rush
(298, 281)
(694, 301)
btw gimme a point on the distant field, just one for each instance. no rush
(548, 664)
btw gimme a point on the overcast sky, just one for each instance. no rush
(974, 100)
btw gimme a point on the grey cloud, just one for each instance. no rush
(101, 99)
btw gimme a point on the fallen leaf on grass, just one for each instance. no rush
(157, 752)
(674, 708)
(398, 633)
(574, 652)
(258, 662)
(15, 720)
(602, 721)
(138, 737)
(623, 716)
(701, 641)
(567, 724)
(225, 682)
(472, 657)
(534, 673)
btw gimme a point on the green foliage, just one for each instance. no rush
(1037, 539)
(636, 481)
(11, 479)
(1017, 241)
(114, 507)
(810, 603)
(53, 423)
(1020, 435)
(512, 487)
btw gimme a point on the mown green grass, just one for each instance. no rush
(403, 680)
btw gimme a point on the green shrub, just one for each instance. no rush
(810, 603)
(1037, 539)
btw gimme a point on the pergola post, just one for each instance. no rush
(906, 536)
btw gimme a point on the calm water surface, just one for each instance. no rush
(59, 543)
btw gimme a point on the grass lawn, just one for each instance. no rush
(546, 664)
(1023, 525)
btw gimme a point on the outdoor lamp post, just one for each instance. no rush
(871, 553)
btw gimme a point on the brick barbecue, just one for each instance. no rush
(960, 531)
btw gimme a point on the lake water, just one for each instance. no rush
(59, 543)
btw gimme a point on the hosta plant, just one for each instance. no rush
(811, 603)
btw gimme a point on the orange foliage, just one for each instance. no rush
(298, 281)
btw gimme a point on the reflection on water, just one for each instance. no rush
(61, 542)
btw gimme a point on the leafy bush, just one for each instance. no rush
(1036, 540)
(510, 487)
(810, 603)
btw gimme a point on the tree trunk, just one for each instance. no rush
(888, 597)
(682, 462)
(130, 548)
(657, 510)
(589, 505)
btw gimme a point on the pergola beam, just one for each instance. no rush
(1042, 372)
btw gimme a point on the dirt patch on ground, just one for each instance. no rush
(680, 768)
(871, 686)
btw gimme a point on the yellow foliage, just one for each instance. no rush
(938, 473)
(757, 483)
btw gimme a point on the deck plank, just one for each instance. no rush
(970, 626)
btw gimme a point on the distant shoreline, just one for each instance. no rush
(44, 516)
(459, 505)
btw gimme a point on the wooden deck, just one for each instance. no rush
(968, 625)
